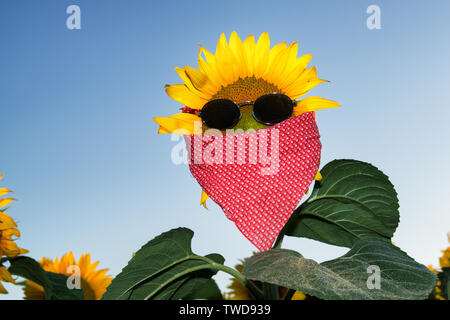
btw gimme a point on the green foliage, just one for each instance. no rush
(208, 291)
(353, 201)
(355, 206)
(348, 276)
(55, 285)
(165, 268)
(60, 291)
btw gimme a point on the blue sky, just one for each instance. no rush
(79, 147)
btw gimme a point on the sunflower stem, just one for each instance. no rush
(254, 290)
(279, 241)
(270, 291)
(289, 294)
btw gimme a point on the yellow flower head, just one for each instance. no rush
(93, 282)
(444, 262)
(243, 71)
(237, 290)
(8, 229)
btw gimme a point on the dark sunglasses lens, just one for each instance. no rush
(272, 108)
(220, 114)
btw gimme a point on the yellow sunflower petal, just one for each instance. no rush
(276, 68)
(7, 220)
(5, 275)
(2, 289)
(292, 58)
(298, 86)
(200, 80)
(249, 51)
(225, 61)
(162, 130)
(312, 104)
(273, 54)
(5, 201)
(308, 86)
(203, 199)
(180, 123)
(318, 176)
(298, 296)
(8, 233)
(33, 291)
(4, 191)
(181, 93)
(262, 51)
(209, 69)
(187, 81)
(297, 69)
(237, 48)
(9, 248)
(3, 226)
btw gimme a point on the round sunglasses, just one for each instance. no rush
(268, 109)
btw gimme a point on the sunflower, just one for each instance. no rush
(8, 229)
(93, 282)
(242, 71)
(437, 293)
(444, 262)
(239, 292)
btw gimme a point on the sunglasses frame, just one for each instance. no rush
(250, 102)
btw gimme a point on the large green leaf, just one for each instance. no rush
(353, 201)
(164, 268)
(30, 269)
(178, 281)
(346, 277)
(55, 285)
(208, 290)
(60, 290)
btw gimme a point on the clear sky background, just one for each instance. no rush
(79, 147)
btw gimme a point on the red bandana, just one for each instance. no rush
(258, 177)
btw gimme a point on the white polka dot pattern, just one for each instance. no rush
(260, 204)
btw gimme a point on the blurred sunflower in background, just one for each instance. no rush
(8, 230)
(443, 272)
(239, 292)
(93, 282)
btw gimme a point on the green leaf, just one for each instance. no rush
(353, 201)
(199, 285)
(208, 290)
(55, 285)
(347, 277)
(60, 291)
(164, 268)
(30, 269)
(177, 286)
